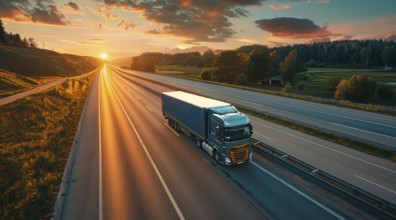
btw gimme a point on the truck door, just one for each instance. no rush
(215, 134)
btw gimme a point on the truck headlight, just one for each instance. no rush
(227, 160)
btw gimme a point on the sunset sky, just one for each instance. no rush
(130, 27)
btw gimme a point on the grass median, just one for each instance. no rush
(36, 136)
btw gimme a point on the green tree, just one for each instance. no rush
(242, 80)
(259, 65)
(2, 33)
(206, 74)
(290, 66)
(357, 89)
(208, 58)
(229, 65)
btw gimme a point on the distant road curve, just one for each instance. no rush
(41, 88)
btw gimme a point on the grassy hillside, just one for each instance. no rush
(36, 135)
(38, 62)
(11, 83)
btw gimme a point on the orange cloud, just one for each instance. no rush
(278, 6)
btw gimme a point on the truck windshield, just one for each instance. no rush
(237, 133)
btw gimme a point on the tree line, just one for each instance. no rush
(255, 62)
(15, 40)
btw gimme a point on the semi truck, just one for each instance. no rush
(215, 126)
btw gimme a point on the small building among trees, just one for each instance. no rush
(273, 80)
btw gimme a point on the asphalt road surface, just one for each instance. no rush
(369, 126)
(373, 174)
(130, 165)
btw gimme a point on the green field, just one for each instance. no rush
(187, 71)
(320, 76)
(36, 136)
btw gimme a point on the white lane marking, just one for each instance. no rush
(383, 187)
(166, 124)
(263, 136)
(179, 213)
(331, 149)
(299, 192)
(100, 159)
(149, 108)
(293, 106)
(362, 130)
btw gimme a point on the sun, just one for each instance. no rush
(104, 56)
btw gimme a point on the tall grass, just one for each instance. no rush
(36, 134)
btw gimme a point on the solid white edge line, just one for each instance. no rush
(263, 136)
(330, 149)
(357, 129)
(100, 158)
(166, 124)
(299, 192)
(179, 213)
(383, 187)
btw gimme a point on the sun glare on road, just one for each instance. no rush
(104, 56)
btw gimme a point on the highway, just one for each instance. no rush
(369, 126)
(373, 174)
(130, 165)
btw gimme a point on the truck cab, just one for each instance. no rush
(229, 133)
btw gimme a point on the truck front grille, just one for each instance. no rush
(239, 153)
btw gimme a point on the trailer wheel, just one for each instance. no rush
(198, 143)
(216, 156)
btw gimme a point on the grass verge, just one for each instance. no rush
(342, 140)
(36, 134)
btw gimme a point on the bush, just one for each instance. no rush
(300, 86)
(358, 88)
(287, 88)
(242, 80)
(206, 74)
(385, 92)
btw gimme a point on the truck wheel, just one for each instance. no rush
(216, 156)
(172, 124)
(198, 143)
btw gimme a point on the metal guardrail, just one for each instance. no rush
(375, 203)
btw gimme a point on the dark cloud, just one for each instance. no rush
(72, 6)
(197, 20)
(125, 25)
(293, 28)
(40, 11)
